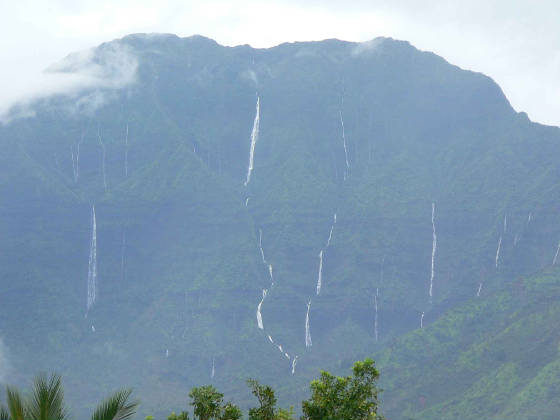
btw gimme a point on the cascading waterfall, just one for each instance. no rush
(166, 353)
(92, 269)
(434, 245)
(505, 223)
(294, 361)
(530, 217)
(479, 289)
(260, 246)
(422, 320)
(102, 160)
(319, 279)
(126, 153)
(259, 316)
(344, 143)
(123, 251)
(270, 273)
(330, 236)
(308, 342)
(76, 160)
(556, 255)
(254, 138)
(247, 201)
(375, 331)
(498, 251)
(270, 339)
(213, 369)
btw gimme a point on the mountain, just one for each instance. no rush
(393, 172)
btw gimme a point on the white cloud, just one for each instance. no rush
(515, 43)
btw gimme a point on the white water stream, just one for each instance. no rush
(254, 138)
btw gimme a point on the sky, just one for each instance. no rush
(516, 42)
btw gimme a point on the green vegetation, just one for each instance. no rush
(179, 270)
(46, 402)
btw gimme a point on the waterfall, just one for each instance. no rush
(102, 160)
(247, 201)
(505, 223)
(319, 279)
(294, 361)
(260, 246)
(126, 153)
(92, 269)
(344, 144)
(422, 320)
(307, 333)
(498, 251)
(516, 239)
(92, 328)
(375, 331)
(330, 236)
(213, 369)
(259, 316)
(334, 218)
(280, 348)
(270, 273)
(556, 255)
(530, 217)
(270, 339)
(434, 245)
(123, 250)
(254, 138)
(479, 289)
(76, 162)
(287, 356)
(166, 353)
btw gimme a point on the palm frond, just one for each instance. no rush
(16, 406)
(47, 400)
(4, 414)
(116, 407)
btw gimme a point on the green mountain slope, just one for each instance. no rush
(494, 357)
(375, 134)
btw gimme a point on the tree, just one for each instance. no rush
(183, 415)
(47, 403)
(267, 401)
(230, 412)
(349, 397)
(207, 402)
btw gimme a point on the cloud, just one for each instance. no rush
(85, 79)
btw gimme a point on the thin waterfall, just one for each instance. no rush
(166, 353)
(280, 348)
(308, 342)
(479, 289)
(76, 160)
(516, 239)
(260, 246)
(294, 361)
(254, 138)
(335, 218)
(319, 279)
(286, 355)
(530, 217)
(102, 159)
(123, 251)
(330, 236)
(498, 252)
(434, 245)
(422, 320)
(213, 372)
(126, 153)
(375, 331)
(505, 223)
(344, 144)
(556, 255)
(270, 273)
(270, 339)
(247, 201)
(259, 316)
(92, 269)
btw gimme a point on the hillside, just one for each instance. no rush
(405, 180)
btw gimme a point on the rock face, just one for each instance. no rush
(397, 144)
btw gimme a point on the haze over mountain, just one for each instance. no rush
(352, 193)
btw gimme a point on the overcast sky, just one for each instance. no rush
(515, 42)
